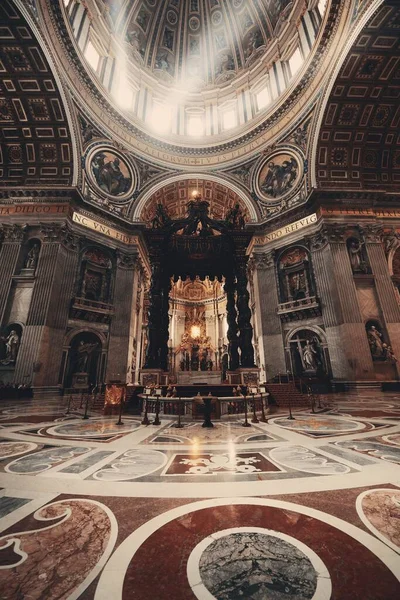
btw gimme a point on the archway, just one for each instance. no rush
(176, 191)
(308, 354)
(84, 366)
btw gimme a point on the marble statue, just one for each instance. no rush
(32, 257)
(83, 351)
(309, 356)
(358, 265)
(375, 342)
(12, 342)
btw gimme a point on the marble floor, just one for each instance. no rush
(288, 509)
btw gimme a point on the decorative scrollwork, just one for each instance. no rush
(13, 233)
(264, 260)
(372, 232)
(126, 261)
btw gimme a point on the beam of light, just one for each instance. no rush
(160, 117)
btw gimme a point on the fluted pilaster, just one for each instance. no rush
(40, 354)
(269, 321)
(12, 239)
(351, 337)
(121, 324)
(389, 307)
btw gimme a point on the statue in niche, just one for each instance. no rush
(12, 343)
(376, 344)
(309, 357)
(32, 257)
(355, 250)
(83, 353)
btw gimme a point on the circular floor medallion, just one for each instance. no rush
(256, 563)
(318, 424)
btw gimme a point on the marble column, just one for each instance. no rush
(258, 349)
(390, 309)
(351, 338)
(13, 236)
(139, 323)
(40, 354)
(231, 314)
(164, 331)
(271, 343)
(244, 316)
(152, 360)
(123, 319)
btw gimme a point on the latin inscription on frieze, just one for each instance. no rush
(103, 229)
(34, 209)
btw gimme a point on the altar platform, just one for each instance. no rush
(199, 377)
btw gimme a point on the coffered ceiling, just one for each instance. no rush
(35, 146)
(359, 141)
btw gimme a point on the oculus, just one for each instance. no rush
(278, 176)
(110, 173)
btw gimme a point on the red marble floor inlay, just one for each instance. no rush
(158, 569)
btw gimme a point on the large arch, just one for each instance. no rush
(243, 196)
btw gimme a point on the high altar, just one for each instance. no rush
(199, 318)
(198, 329)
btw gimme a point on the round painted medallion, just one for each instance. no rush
(278, 176)
(110, 173)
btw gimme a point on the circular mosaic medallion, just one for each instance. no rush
(278, 176)
(172, 17)
(216, 18)
(252, 562)
(110, 173)
(194, 23)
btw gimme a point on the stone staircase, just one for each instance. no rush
(283, 393)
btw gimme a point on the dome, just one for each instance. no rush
(195, 68)
(204, 43)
